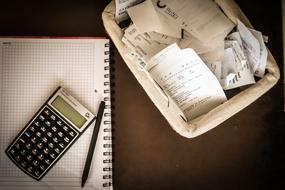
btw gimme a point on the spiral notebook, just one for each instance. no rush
(30, 70)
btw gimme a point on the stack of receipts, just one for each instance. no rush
(191, 50)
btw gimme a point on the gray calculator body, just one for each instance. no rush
(49, 134)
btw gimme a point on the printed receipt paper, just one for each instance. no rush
(202, 18)
(189, 82)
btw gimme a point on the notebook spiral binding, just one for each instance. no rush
(108, 145)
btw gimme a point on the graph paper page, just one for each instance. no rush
(30, 70)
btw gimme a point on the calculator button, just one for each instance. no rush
(40, 145)
(46, 150)
(57, 150)
(23, 152)
(35, 163)
(55, 139)
(66, 140)
(48, 123)
(35, 151)
(29, 146)
(43, 129)
(29, 157)
(37, 173)
(18, 158)
(52, 155)
(12, 151)
(50, 145)
(37, 123)
(42, 118)
(53, 117)
(42, 167)
(34, 139)
(61, 145)
(22, 140)
(65, 128)
(71, 133)
(39, 134)
(47, 161)
(32, 129)
(17, 145)
(24, 164)
(49, 134)
(60, 134)
(44, 140)
(28, 134)
(30, 169)
(47, 112)
(54, 129)
(59, 123)
(41, 156)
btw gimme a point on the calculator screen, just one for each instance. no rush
(68, 111)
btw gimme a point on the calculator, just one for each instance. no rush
(49, 134)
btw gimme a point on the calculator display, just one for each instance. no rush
(68, 111)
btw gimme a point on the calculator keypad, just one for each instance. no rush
(42, 142)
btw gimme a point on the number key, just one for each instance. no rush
(30, 169)
(50, 145)
(49, 134)
(60, 134)
(46, 150)
(29, 157)
(34, 139)
(65, 128)
(54, 129)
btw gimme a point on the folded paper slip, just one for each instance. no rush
(219, 114)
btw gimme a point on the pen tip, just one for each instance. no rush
(82, 183)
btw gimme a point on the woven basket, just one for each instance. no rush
(219, 114)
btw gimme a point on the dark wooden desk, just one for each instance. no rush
(245, 152)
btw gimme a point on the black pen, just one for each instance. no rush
(92, 143)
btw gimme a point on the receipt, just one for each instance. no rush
(162, 38)
(189, 41)
(213, 60)
(202, 18)
(121, 9)
(263, 54)
(144, 17)
(243, 77)
(122, 6)
(239, 56)
(251, 45)
(235, 36)
(141, 43)
(186, 79)
(147, 19)
(229, 67)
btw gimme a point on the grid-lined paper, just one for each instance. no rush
(30, 70)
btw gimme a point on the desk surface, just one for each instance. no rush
(245, 152)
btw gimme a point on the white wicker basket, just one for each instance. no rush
(216, 116)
